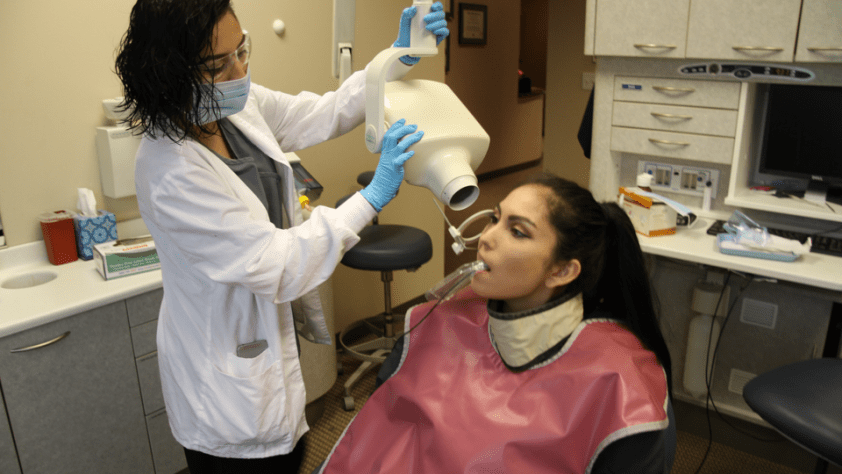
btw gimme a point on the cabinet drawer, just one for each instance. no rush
(721, 95)
(144, 308)
(167, 454)
(143, 338)
(674, 145)
(150, 383)
(705, 121)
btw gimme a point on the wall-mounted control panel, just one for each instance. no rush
(748, 72)
(680, 179)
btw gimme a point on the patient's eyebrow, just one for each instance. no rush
(516, 218)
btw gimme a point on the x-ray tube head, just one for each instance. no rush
(454, 143)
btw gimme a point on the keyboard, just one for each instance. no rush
(821, 243)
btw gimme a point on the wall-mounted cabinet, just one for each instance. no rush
(653, 28)
(756, 30)
(748, 30)
(819, 36)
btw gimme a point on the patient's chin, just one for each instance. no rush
(481, 288)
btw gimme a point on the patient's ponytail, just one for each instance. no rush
(624, 286)
(613, 278)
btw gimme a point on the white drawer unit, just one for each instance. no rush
(705, 121)
(675, 118)
(721, 95)
(683, 146)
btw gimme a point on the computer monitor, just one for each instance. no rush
(801, 140)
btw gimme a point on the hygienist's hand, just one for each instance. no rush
(435, 23)
(389, 173)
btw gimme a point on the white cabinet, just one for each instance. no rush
(746, 30)
(656, 28)
(72, 396)
(820, 35)
(758, 30)
(675, 118)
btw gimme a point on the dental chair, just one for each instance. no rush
(802, 401)
(384, 248)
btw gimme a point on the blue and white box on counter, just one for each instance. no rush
(94, 230)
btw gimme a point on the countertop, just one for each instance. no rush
(78, 287)
(695, 245)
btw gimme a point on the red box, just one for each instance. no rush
(59, 236)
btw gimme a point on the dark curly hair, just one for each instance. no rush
(159, 63)
(613, 276)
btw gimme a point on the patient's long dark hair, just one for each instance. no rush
(159, 60)
(613, 276)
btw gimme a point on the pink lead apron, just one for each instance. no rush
(453, 407)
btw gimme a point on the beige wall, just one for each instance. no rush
(485, 78)
(533, 41)
(60, 61)
(566, 100)
(61, 67)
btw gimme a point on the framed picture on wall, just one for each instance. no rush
(473, 23)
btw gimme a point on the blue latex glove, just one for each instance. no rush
(389, 173)
(435, 23)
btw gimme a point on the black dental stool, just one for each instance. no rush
(803, 401)
(384, 248)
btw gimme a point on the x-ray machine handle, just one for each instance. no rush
(422, 43)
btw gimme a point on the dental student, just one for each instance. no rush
(240, 267)
(551, 362)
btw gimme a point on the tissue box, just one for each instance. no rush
(94, 230)
(121, 258)
(649, 217)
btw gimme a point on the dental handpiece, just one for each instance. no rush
(454, 282)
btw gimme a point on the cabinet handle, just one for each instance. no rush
(767, 49)
(668, 142)
(654, 46)
(43, 344)
(674, 89)
(672, 116)
(829, 49)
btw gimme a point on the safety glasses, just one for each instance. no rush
(216, 67)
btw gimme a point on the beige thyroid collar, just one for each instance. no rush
(520, 339)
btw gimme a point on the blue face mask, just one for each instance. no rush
(229, 96)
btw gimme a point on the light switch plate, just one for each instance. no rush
(588, 79)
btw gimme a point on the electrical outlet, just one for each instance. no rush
(681, 179)
(587, 80)
(738, 380)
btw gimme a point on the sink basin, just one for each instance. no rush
(28, 280)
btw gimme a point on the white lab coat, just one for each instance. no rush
(230, 276)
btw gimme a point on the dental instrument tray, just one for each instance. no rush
(727, 244)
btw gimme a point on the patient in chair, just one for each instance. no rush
(552, 360)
